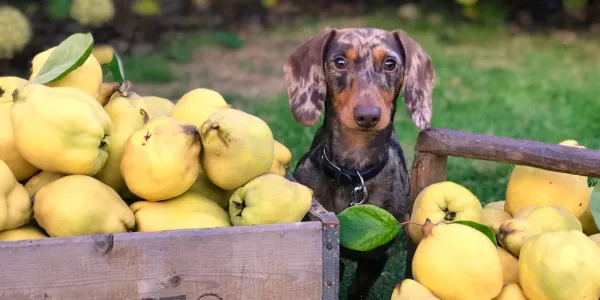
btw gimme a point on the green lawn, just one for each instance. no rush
(487, 82)
(527, 87)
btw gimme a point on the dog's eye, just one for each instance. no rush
(340, 63)
(389, 64)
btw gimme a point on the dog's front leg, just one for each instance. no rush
(370, 265)
(367, 273)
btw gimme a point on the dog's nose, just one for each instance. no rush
(367, 116)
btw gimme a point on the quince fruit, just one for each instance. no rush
(87, 77)
(529, 186)
(185, 211)
(158, 107)
(126, 118)
(498, 205)
(35, 183)
(443, 201)
(281, 159)
(106, 92)
(534, 220)
(8, 84)
(596, 238)
(237, 147)
(409, 289)
(493, 218)
(25, 232)
(161, 160)
(197, 105)
(15, 206)
(204, 187)
(77, 205)
(510, 266)
(587, 220)
(9, 153)
(103, 53)
(560, 265)
(455, 261)
(511, 291)
(60, 129)
(269, 199)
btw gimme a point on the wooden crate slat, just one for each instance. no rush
(553, 157)
(246, 262)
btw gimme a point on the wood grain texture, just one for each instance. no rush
(552, 157)
(427, 169)
(267, 262)
(331, 246)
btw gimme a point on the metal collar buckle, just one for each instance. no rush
(360, 194)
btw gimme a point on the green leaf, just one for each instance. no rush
(484, 229)
(366, 227)
(595, 207)
(115, 67)
(66, 57)
(592, 181)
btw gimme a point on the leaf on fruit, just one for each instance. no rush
(366, 227)
(483, 228)
(115, 67)
(595, 207)
(66, 57)
(592, 181)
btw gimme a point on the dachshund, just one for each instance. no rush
(354, 76)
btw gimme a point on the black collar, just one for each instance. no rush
(342, 176)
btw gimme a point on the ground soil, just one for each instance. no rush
(253, 72)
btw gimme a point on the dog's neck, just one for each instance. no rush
(353, 149)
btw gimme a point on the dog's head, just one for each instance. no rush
(363, 70)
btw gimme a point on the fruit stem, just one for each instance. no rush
(145, 114)
(427, 227)
(215, 126)
(125, 88)
(103, 141)
(189, 129)
(240, 206)
(411, 222)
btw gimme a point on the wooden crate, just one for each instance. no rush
(434, 145)
(276, 262)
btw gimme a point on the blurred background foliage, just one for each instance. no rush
(133, 25)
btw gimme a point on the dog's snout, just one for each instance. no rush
(367, 116)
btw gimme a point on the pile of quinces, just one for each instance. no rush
(79, 156)
(545, 245)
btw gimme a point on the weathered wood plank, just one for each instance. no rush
(331, 246)
(282, 261)
(427, 169)
(546, 156)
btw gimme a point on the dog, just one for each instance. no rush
(354, 76)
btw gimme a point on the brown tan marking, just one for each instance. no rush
(351, 54)
(379, 54)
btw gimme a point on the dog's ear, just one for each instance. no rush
(305, 78)
(419, 78)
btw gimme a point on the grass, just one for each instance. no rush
(527, 87)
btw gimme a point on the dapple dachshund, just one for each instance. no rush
(355, 76)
